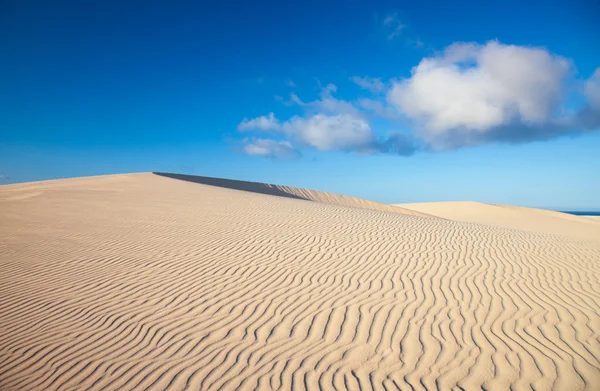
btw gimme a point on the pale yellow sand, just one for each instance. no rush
(515, 217)
(595, 219)
(151, 283)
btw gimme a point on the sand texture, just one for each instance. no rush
(515, 217)
(150, 282)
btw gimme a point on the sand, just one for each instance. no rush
(149, 282)
(515, 217)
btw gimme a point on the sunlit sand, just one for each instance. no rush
(154, 282)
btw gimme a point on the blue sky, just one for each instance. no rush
(390, 101)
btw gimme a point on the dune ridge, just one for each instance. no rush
(143, 282)
(293, 192)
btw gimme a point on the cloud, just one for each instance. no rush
(328, 104)
(271, 149)
(589, 116)
(375, 85)
(294, 99)
(329, 124)
(264, 123)
(342, 132)
(473, 93)
(479, 87)
(416, 43)
(392, 26)
(466, 95)
(378, 108)
(591, 89)
(334, 132)
(290, 83)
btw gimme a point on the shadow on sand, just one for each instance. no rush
(254, 187)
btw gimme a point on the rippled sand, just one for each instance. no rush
(152, 282)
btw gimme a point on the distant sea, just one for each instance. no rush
(581, 213)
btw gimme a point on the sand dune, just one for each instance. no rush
(147, 282)
(515, 217)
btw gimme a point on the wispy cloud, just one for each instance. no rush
(393, 26)
(415, 43)
(468, 94)
(290, 83)
(375, 85)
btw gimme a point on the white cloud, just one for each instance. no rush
(290, 83)
(375, 85)
(477, 88)
(271, 149)
(342, 132)
(264, 123)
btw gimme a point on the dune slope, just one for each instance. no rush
(149, 283)
(515, 217)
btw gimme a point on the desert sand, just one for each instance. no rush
(153, 282)
(515, 217)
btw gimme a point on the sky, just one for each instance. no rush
(396, 102)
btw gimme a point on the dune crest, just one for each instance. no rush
(144, 282)
(293, 192)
